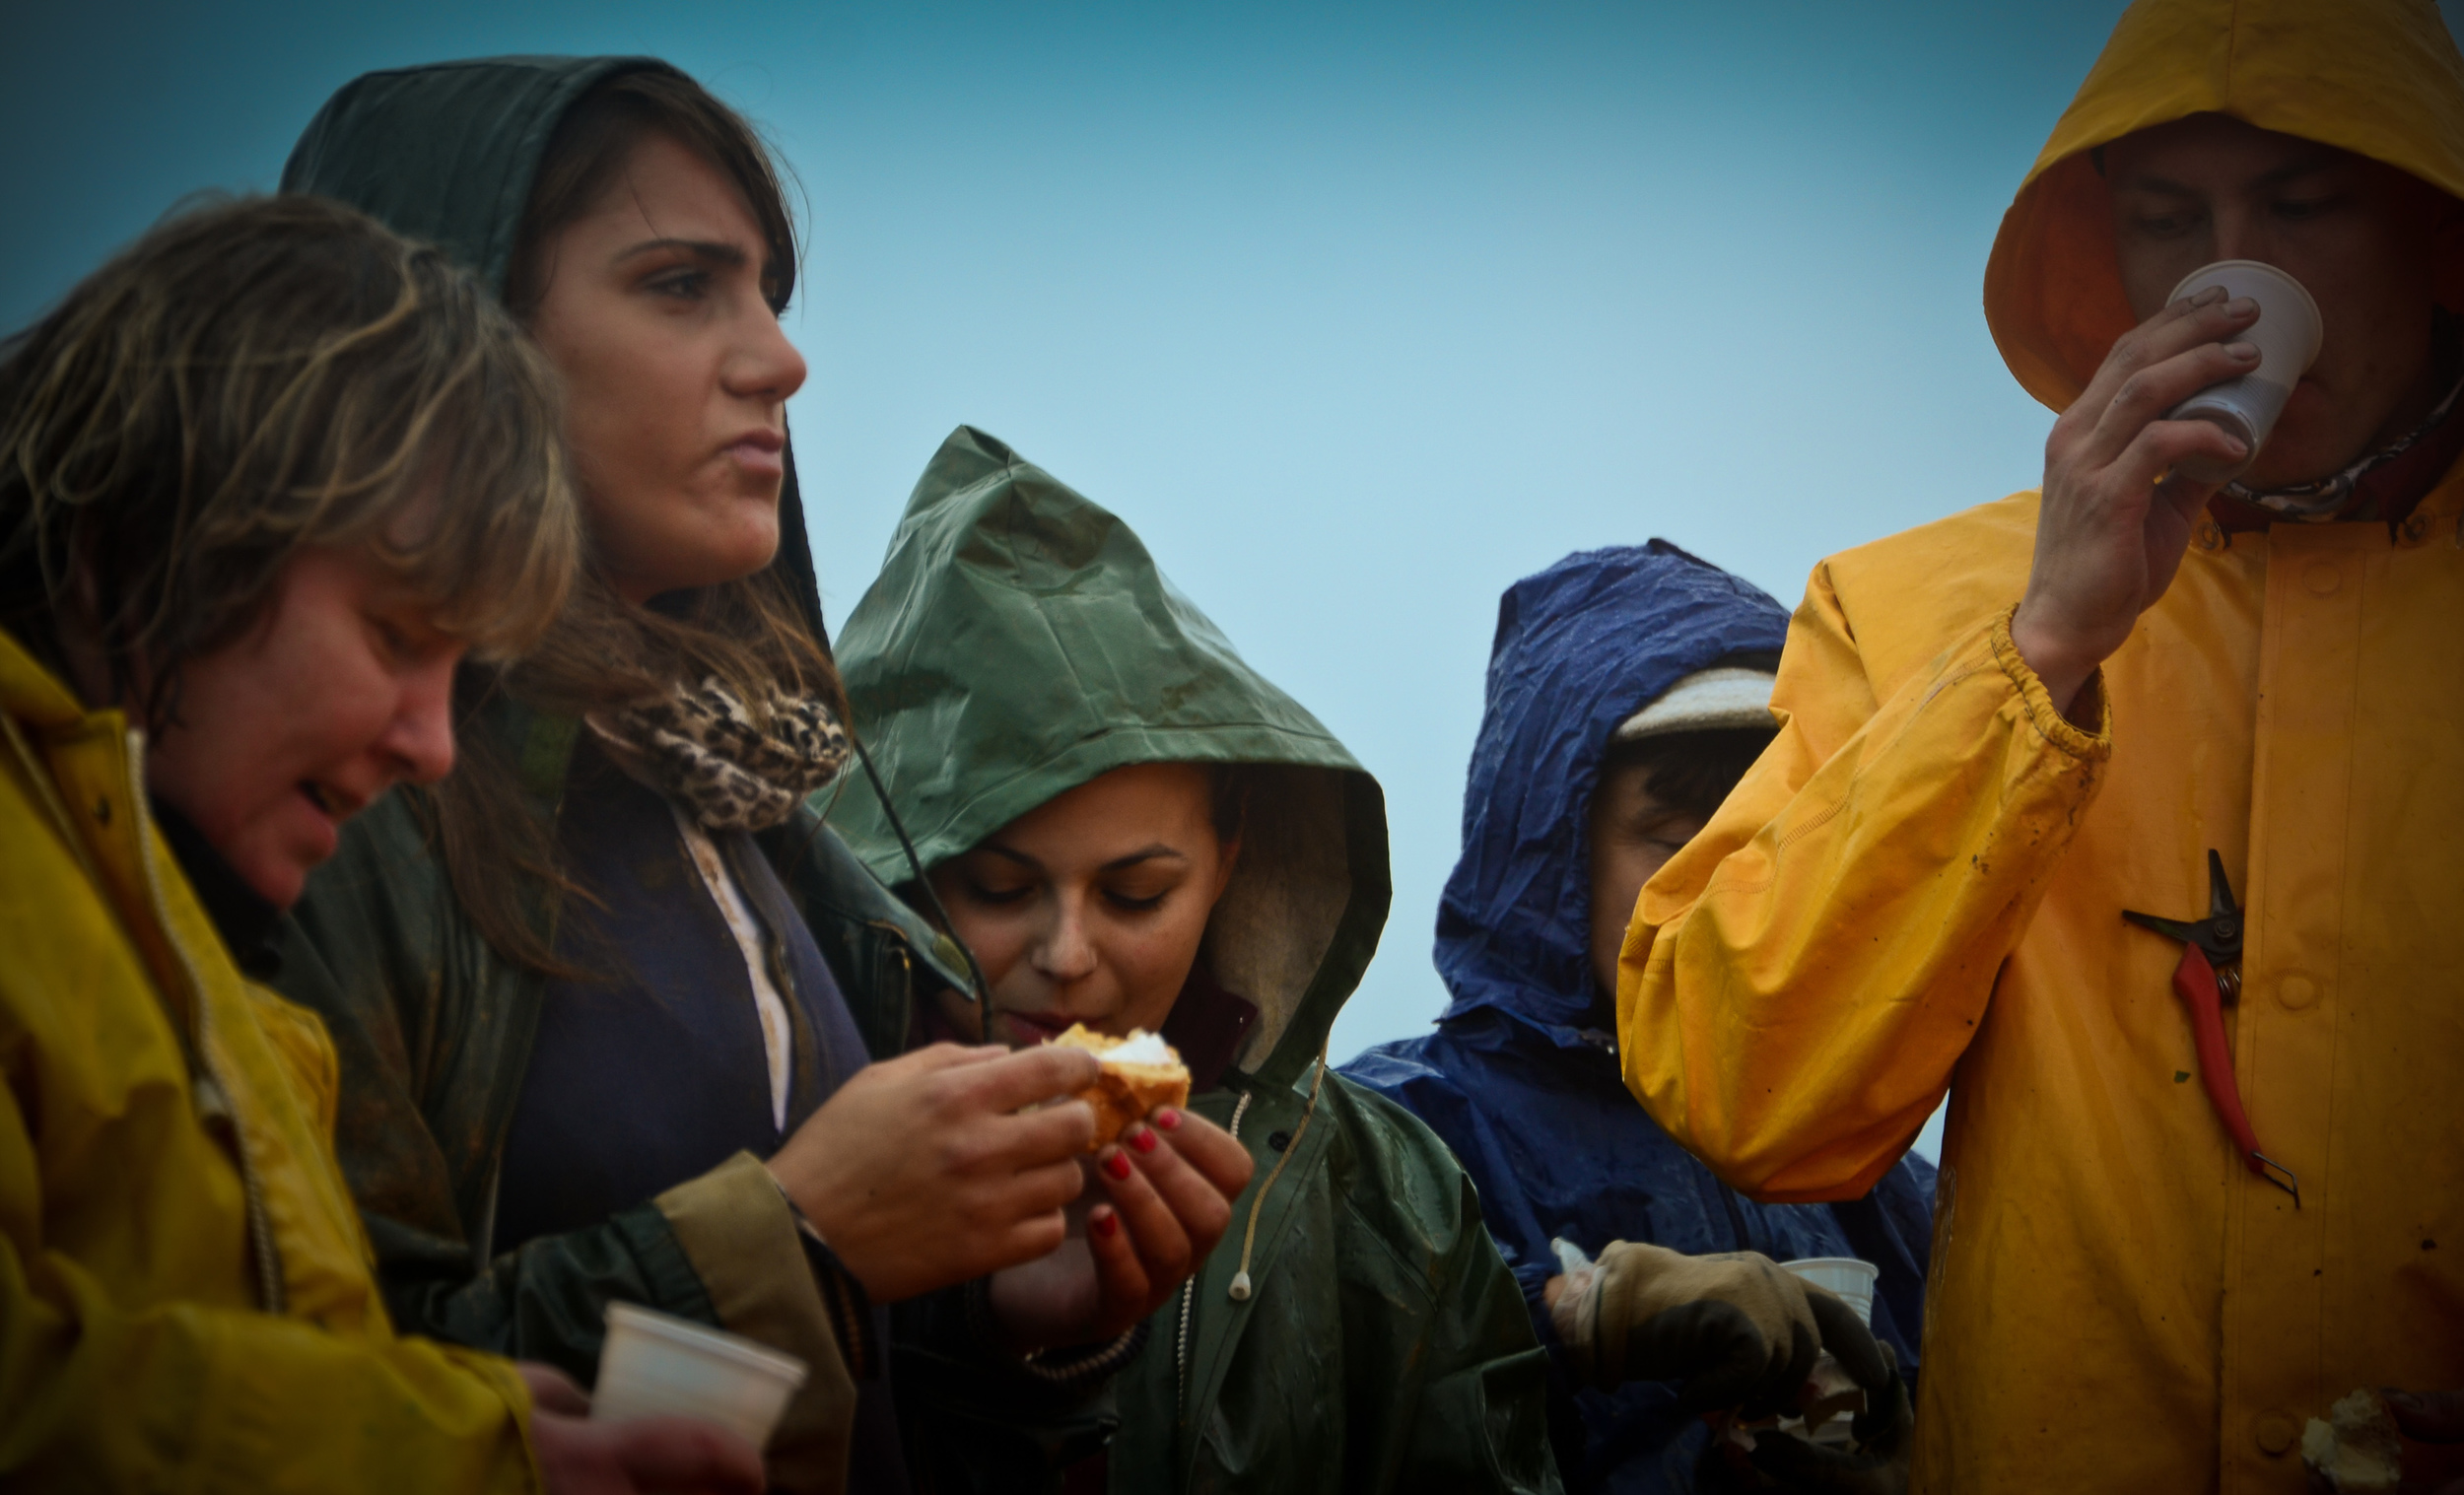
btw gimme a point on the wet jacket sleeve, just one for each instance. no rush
(1448, 1389)
(1483, 1420)
(1798, 982)
(416, 1005)
(100, 1395)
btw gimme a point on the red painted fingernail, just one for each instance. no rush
(1117, 1164)
(1168, 1118)
(1145, 1139)
(1104, 1224)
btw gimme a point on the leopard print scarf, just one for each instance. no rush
(700, 747)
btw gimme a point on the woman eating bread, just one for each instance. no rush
(1140, 837)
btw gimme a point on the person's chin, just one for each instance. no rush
(277, 856)
(2303, 449)
(743, 542)
(276, 874)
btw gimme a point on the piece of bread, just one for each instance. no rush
(2359, 1448)
(1141, 1072)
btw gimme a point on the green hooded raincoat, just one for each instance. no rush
(1018, 643)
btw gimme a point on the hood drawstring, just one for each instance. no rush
(981, 997)
(1189, 1289)
(1249, 1236)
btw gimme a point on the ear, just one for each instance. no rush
(1227, 858)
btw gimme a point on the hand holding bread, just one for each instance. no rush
(1169, 1177)
(940, 1166)
(1140, 1073)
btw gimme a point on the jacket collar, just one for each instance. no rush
(33, 694)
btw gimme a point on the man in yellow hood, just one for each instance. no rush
(2003, 729)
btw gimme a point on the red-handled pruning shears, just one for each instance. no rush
(2210, 976)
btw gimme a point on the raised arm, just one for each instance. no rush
(1798, 982)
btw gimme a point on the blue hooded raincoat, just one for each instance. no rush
(1520, 1077)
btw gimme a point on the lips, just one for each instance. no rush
(335, 804)
(1038, 1025)
(759, 451)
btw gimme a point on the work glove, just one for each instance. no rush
(1781, 1462)
(1732, 1328)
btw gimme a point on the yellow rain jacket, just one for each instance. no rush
(1921, 886)
(185, 1301)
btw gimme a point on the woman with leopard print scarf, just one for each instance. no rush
(604, 999)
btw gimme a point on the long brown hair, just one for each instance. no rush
(251, 377)
(606, 653)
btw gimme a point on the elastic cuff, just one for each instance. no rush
(2057, 728)
(738, 1231)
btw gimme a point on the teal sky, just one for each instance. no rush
(1356, 313)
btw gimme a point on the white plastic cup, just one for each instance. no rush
(657, 1364)
(2287, 337)
(1848, 1278)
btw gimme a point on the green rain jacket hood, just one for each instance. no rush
(433, 1025)
(448, 153)
(1019, 641)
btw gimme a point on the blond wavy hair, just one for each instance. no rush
(257, 376)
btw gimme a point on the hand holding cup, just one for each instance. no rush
(2119, 500)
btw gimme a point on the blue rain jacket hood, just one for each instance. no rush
(1580, 648)
(1518, 1078)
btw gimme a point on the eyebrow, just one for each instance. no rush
(729, 255)
(1157, 851)
(2288, 172)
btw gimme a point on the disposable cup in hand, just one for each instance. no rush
(1848, 1278)
(657, 1364)
(2287, 336)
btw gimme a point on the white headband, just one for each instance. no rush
(1706, 700)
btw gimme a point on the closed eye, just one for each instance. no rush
(2165, 225)
(395, 643)
(2304, 209)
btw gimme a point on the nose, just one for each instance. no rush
(2243, 232)
(1063, 953)
(764, 365)
(420, 737)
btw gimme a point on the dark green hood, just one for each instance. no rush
(1019, 641)
(446, 152)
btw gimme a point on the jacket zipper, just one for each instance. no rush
(271, 1296)
(1189, 1289)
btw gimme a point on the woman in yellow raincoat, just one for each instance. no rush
(2003, 729)
(265, 477)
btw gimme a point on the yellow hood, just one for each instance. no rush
(2381, 78)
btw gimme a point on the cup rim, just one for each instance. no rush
(684, 1334)
(1859, 1263)
(2318, 324)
